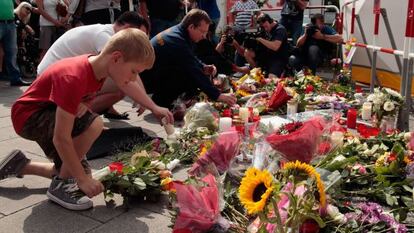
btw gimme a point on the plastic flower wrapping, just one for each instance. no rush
(198, 207)
(298, 141)
(201, 115)
(222, 152)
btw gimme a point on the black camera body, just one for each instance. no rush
(229, 39)
(250, 40)
(311, 29)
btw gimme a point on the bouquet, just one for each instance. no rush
(198, 207)
(298, 141)
(223, 150)
(278, 98)
(386, 102)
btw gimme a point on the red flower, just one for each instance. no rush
(116, 166)
(226, 113)
(367, 131)
(324, 148)
(309, 226)
(358, 89)
(392, 157)
(341, 94)
(309, 89)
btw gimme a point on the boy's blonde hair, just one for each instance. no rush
(134, 46)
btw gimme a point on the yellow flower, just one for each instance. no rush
(242, 93)
(407, 160)
(380, 161)
(308, 169)
(255, 189)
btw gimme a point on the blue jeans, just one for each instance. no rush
(294, 26)
(311, 56)
(8, 38)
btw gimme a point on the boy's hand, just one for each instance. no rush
(161, 112)
(82, 109)
(210, 70)
(90, 186)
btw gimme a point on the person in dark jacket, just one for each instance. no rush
(177, 70)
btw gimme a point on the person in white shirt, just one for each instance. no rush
(90, 40)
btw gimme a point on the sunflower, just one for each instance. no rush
(311, 172)
(255, 188)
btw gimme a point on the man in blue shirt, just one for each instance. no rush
(177, 70)
(315, 43)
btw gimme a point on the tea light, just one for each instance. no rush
(337, 138)
(292, 107)
(225, 123)
(366, 111)
(244, 114)
(169, 128)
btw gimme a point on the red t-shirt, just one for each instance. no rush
(66, 83)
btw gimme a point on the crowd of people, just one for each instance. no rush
(84, 70)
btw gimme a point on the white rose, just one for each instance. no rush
(389, 106)
(407, 136)
(371, 98)
(334, 213)
(393, 93)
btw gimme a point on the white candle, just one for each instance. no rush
(337, 138)
(366, 111)
(169, 128)
(244, 114)
(225, 124)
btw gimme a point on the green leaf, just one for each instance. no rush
(140, 183)
(391, 200)
(408, 188)
(408, 201)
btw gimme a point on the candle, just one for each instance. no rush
(169, 128)
(292, 107)
(337, 138)
(225, 124)
(351, 118)
(244, 114)
(366, 111)
(226, 113)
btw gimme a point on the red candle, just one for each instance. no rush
(226, 113)
(351, 118)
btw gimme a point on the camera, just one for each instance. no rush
(311, 29)
(229, 39)
(250, 40)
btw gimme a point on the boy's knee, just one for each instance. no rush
(97, 125)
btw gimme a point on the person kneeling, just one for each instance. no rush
(55, 113)
(271, 54)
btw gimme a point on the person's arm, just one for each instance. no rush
(136, 91)
(63, 142)
(272, 45)
(220, 45)
(42, 11)
(195, 69)
(301, 40)
(143, 9)
(29, 29)
(240, 49)
(335, 39)
(280, 3)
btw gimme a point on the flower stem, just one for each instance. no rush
(278, 218)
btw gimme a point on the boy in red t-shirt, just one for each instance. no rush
(54, 112)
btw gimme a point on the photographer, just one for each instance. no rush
(270, 54)
(222, 55)
(292, 16)
(314, 44)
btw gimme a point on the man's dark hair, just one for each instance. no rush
(316, 17)
(132, 18)
(264, 18)
(195, 17)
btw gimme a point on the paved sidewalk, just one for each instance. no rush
(24, 206)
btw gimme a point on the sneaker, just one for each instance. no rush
(67, 194)
(13, 164)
